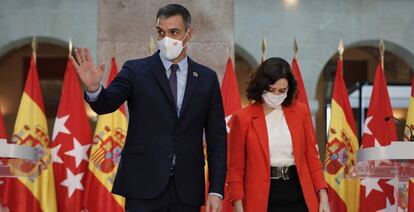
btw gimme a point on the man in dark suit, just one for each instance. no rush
(171, 100)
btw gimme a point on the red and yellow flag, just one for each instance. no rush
(71, 140)
(35, 193)
(410, 114)
(378, 194)
(108, 141)
(341, 149)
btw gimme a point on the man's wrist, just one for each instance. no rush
(216, 194)
(93, 89)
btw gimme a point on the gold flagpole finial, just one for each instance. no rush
(264, 49)
(151, 45)
(34, 46)
(295, 48)
(341, 48)
(382, 52)
(70, 47)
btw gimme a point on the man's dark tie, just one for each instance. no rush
(173, 81)
(173, 86)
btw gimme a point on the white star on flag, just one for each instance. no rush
(379, 162)
(388, 208)
(55, 156)
(72, 182)
(60, 126)
(371, 184)
(79, 152)
(366, 128)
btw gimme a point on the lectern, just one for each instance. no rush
(395, 161)
(14, 158)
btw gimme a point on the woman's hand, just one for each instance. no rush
(238, 205)
(323, 201)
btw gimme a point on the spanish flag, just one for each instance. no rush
(341, 150)
(35, 193)
(108, 141)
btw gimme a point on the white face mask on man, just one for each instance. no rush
(272, 100)
(171, 48)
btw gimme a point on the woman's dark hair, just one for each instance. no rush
(175, 9)
(267, 74)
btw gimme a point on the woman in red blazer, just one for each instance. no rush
(273, 161)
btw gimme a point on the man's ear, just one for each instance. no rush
(190, 34)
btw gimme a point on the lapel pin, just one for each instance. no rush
(195, 74)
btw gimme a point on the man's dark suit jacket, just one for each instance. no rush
(156, 133)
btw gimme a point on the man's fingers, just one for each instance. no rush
(88, 55)
(208, 206)
(102, 68)
(78, 57)
(74, 62)
(82, 54)
(216, 208)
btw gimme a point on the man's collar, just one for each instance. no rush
(183, 64)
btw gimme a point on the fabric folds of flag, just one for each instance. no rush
(3, 134)
(231, 103)
(377, 194)
(36, 193)
(3, 161)
(411, 195)
(72, 138)
(301, 95)
(341, 149)
(108, 141)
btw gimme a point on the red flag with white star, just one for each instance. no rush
(70, 145)
(377, 194)
(231, 103)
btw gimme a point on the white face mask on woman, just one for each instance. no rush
(171, 48)
(272, 100)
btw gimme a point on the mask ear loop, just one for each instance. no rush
(185, 36)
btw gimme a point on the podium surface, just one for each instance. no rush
(387, 162)
(13, 155)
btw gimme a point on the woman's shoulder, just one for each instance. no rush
(299, 107)
(246, 111)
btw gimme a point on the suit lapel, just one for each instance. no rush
(191, 85)
(160, 74)
(292, 122)
(259, 124)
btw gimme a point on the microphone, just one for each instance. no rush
(387, 118)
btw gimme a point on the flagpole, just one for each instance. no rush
(151, 45)
(34, 47)
(264, 49)
(295, 48)
(70, 46)
(341, 48)
(382, 52)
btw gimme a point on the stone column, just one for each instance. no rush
(125, 28)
